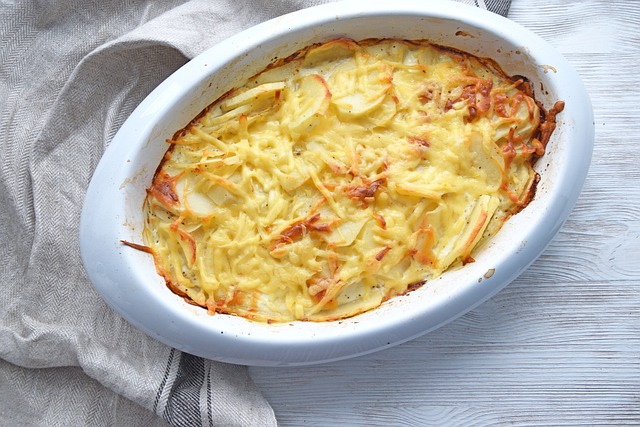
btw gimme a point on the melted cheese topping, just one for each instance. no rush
(341, 177)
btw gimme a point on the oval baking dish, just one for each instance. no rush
(112, 212)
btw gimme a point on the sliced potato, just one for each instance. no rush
(476, 223)
(267, 90)
(362, 89)
(329, 54)
(308, 103)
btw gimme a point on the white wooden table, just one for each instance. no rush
(561, 344)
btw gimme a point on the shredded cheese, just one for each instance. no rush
(341, 177)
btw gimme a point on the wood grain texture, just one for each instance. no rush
(561, 344)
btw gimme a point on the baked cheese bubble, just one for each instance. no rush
(342, 176)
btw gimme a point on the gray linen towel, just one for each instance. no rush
(71, 72)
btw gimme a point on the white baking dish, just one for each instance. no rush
(112, 212)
